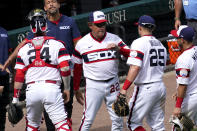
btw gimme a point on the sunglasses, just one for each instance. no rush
(99, 25)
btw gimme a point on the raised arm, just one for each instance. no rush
(13, 55)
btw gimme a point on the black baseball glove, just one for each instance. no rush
(120, 106)
(15, 113)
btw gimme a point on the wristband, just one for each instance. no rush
(179, 101)
(126, 85)
(175, 18)
(16, 93)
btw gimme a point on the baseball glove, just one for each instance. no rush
(15, 113)
(183, 123)
(120, 106)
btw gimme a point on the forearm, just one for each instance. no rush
(132, 74)
(181, 90)
(178, 8)
(66, 81)
(180, 95)
(14, 54)
(133, 71)
(65, 74)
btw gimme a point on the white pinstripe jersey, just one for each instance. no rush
(148, 53)
(186, 69)
(99, 63)
(52, 52)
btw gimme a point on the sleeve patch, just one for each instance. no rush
(181, 72)
(136, 54)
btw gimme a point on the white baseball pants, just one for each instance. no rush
(97, 92)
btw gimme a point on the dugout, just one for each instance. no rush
(121, 19)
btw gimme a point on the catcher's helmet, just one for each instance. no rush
(37, 18)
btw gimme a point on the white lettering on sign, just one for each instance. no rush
(116, 17)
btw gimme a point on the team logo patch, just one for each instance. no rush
(64, 27)
(183, 73)
(4, 35)
(133, 53)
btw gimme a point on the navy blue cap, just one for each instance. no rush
(185, 32)
(146, 20)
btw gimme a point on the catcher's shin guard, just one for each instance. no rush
(63, 126)
(31, 128)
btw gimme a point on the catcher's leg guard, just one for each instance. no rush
(63, 126)
(139, 128)
(31, 128)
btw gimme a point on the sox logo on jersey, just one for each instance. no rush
(100, 55)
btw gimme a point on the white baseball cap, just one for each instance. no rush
(97, 17)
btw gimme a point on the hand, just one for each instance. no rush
(122, 91)
(7, 63)
(66, 96)
(112, 46)
(79, 97)
(4, 69)
(177, 112)
(177, 24)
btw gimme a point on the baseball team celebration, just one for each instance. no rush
(104, 65)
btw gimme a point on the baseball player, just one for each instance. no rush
(42, 62)
(98, 51)
(147, 61)
(186, 74)
(65, 29)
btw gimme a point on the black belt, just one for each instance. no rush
(143, 83)
(192, 20)
(103, 80)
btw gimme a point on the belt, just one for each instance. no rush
(103, 80)
(192, 20)
(45, 81)
(143, 83)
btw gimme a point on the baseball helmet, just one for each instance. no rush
(37, 19)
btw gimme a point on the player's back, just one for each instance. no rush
(49, 53)
(153, 61)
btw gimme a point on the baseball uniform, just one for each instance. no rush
(43, 79)
(64, 29)
(100, 68)
(148, 99)
(186, 74)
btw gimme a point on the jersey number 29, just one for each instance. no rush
(157, 57)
